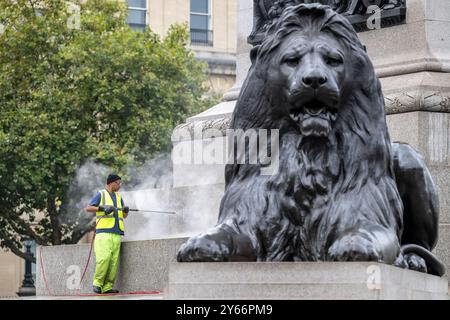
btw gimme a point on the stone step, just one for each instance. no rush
(295, 292)
(305, 280)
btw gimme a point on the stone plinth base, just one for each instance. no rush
(144, 266)
(301, 280)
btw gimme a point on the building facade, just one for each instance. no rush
(212, 25)
(11, 274)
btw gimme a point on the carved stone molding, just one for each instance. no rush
(419, 100)
(195, 130)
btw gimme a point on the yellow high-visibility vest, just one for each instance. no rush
(114, 221)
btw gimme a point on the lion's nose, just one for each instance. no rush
(315, 80)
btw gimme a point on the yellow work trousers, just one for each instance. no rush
(107, 251)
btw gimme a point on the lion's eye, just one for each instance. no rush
(292, 62)
(334, 61)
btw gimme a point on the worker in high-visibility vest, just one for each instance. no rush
(110, 212)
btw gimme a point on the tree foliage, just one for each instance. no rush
(100, 92)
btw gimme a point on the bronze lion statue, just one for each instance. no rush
(343, 192)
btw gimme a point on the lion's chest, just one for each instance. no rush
(300, 208)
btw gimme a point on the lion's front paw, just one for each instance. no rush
(202, 249)
(353, 248)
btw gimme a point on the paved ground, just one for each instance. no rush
(94, 297)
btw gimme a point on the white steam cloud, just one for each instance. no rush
(88, 180)
(150, 188)
(187, 210)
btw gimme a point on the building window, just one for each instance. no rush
(201, 33)
(137, 14)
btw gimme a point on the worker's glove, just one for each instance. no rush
(106, 209)
(126, 209)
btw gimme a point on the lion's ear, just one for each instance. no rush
(254, 53)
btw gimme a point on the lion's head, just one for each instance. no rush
(310, 73)
(309, 69)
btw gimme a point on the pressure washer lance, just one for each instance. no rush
(147, 211)
(152, 211)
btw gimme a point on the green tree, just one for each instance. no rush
(72, 92)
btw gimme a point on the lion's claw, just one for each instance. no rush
(202, 249)
(353, 248)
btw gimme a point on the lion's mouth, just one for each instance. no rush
(314, 118)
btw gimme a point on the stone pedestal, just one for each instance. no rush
(301, 280)
(413, 63)
(219, 116)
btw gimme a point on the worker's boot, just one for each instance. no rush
(111, 291)
(97, 290)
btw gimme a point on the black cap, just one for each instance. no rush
(112, 177)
